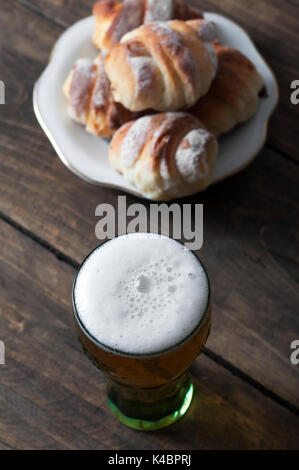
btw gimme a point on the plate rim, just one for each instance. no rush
(132, 191)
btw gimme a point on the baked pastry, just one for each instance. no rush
(165, 155)
(163, 66)
(234, 94)
(232, 98)
(114, 19)
(90, 101)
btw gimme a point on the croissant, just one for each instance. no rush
(165, 155)
(234, 94)
(163, 66)
(90, 101)
(114, 19)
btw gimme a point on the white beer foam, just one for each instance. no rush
(141, 293)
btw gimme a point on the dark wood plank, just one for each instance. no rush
(273, 25)
(250, 223)
(52, 397)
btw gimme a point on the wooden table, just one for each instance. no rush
(247, 390)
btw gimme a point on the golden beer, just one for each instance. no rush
(147, 389)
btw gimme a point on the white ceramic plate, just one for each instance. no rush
(87, 156)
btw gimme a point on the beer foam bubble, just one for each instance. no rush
(141, 293)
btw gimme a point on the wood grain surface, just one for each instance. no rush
(52, 397)
(247, 389)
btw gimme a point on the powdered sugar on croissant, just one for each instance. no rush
(77, 88)
(163, 66)
(158, 11)
(114, 19)
(187, 161)
(165, 155)
(90, 101)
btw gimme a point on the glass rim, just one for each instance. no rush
(118, 352)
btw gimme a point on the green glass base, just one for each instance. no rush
(146, 425)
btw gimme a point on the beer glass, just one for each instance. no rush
(147, 391)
